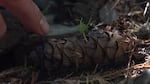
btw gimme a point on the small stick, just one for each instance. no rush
(146, 8)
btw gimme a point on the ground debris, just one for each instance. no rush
(116, 50)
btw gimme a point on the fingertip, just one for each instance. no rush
(30, 16)
(44, 27)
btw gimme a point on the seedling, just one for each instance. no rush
(84, 27)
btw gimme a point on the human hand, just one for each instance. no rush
(28, 13)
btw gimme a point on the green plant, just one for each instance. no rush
(84, 27)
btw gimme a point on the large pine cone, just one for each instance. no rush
(74, 52)
(71, 53)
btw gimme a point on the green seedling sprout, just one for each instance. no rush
(83, 27)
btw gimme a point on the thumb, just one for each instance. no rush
(2, 26)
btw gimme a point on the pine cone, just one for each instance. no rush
(75, 53)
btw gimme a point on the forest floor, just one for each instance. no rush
(128, 21)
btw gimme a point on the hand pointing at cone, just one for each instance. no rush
(28, 13)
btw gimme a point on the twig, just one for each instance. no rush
(115, 4)
(146, 8)
(12, 71)
(34, 77)
(114, 75)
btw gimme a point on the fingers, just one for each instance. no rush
(2, 26)
(29, 14)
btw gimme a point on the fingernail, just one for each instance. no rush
(44, 26)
